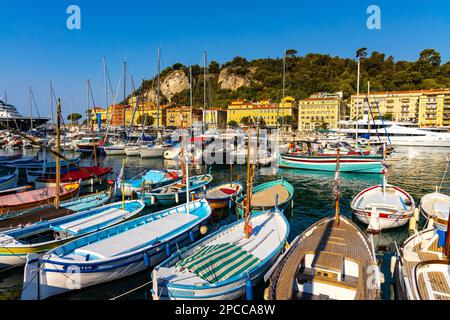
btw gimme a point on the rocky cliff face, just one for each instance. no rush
(175, 82)
(232, 81)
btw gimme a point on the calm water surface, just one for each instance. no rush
(417, 170)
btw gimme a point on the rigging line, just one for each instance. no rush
(34, 102)
(132, 290)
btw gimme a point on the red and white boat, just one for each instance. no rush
(383, 207)
(87, 176)
(18, 202)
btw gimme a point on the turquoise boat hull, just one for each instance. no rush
(365, 164)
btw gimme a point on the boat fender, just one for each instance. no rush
(393, 264)
(146, 259)
(177, 199)
(191, 236)
(168, 249)
(412, 223)
(248, 289)
(266, 294)
(230, 204)
(203, 230)
(276, 202)
(152, 200)
(430, 224)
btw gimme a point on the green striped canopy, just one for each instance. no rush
(219, 262)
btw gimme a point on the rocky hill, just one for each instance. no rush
(262, 78)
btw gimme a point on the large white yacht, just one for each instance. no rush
(401, 134)
(10, 117)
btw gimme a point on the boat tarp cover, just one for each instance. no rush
(267, 197)
(219, 262)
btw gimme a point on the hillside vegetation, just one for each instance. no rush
(309, 74)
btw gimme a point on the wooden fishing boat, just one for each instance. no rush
(175, 192)
(16, 244)
(48, 212)
(41, 164)
(423, 266)
(436, 206)
(150, 180)
(15, 203)
(264, 197)
(328, 261)
(383, 207)
(332, 259)
(224, 265)
(87, 176)
(8, 182)
(19, 160)
(221, 196)
(359, 164)
(115, 252)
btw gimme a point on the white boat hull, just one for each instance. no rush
(147, 153)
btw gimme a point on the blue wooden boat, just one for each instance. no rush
(175, 192)
(20, 160)
(8, 182)
(224, 265)
(150, 180)
(264, 197)
(43, 236)
(114, 253)
(41, 164)
(352, 163)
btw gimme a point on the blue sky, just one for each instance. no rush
(38, 48)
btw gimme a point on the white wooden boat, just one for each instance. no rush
(115, 252)
(225, 264)
(43, 236)
(423, 268)
(156, 151)
(383, 207)
(436, 206)
(114, 149)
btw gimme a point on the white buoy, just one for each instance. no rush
(393, 264)
(152, 200)
(412, 223)
(177, 200)
(430, 224)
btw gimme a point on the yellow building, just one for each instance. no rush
(173, 116)
(116, 113)
(266, 110)
(434, 108)
(320, 111)
(425, 107)
(400, 106)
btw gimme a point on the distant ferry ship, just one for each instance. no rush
(10, 117)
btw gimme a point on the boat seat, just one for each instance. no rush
(266, 198)
(80, 226)
(137, 237)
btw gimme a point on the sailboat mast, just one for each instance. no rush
(51, 101)
(204, 90)
(191, 102)
(357, 98)
(106, 85)
(31, 109)
(58, 150)
(158, 101)
(248, 199)
(91, 124)
(124, 93)
(336, 186)
(7, 112)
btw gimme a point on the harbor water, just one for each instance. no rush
(417, 170)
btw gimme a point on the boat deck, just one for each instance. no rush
(431, 284)
(330, 244)
(376, 196)
(266, 198)
(82, 225)
(130, 240)
(34, 216)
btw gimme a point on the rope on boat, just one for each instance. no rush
(131, 291)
